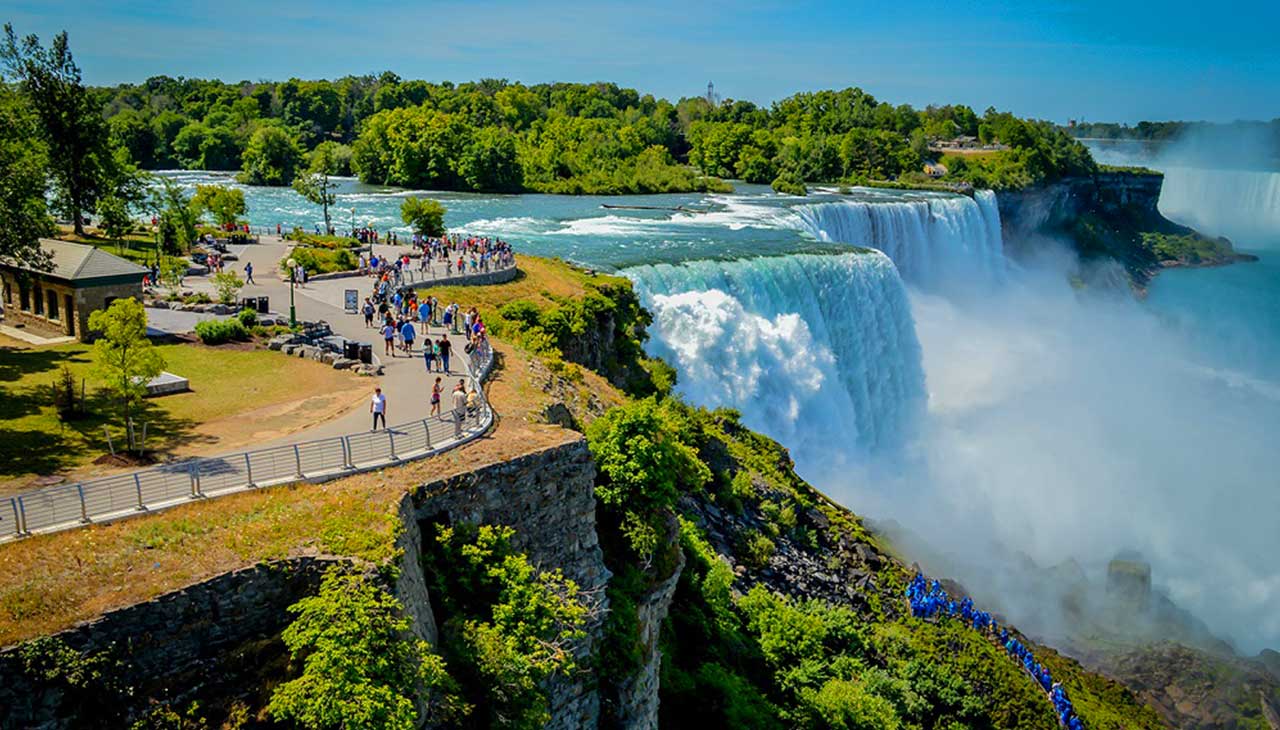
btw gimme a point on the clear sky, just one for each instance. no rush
(1101, 60)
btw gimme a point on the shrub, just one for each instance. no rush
(248, 318)
(643, 462)
(228, 285)
(790, 183)
(218, 331)
(510, 625)
(359, 669)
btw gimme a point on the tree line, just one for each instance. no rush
(489, 135)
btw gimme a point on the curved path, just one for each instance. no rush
(325, 450)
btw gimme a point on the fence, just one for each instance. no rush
(124, 495)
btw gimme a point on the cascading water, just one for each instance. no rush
(936, 242)
(1243, 205)
(818, 351)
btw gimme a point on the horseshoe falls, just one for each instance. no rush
(936, 241)
(818, 351)
(1243, 205)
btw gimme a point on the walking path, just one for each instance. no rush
(332, 448)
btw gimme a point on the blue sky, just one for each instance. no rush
(1094, 60)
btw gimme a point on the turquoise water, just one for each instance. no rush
(1044, 407)
(1229, 314)
(754, 221)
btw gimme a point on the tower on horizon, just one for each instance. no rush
(712, 99)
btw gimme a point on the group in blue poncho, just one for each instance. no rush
(929, 599)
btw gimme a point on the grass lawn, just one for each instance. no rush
(235, 392)
(139, 248)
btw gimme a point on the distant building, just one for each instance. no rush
(935, 169)
(57, 300)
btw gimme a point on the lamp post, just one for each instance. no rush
(353, 221)
(293, 279)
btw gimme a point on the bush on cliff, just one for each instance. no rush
(643, 463)
(507, 626)
(358, 668)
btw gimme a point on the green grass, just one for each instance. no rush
(139, 248)
(34, 440)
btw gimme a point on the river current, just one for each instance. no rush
(918, 374)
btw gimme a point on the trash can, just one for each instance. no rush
(351, 349)
(366, 353)
(250, 303)
(264, 305)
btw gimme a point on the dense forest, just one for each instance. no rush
(80, 150)
(494, 135)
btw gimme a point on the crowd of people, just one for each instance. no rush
(404, 318)
(929, 599)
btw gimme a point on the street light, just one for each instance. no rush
(293, 279)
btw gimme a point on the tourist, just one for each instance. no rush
(459, 407)
(388, 337)
(473, 402)
(429, 353)
(248, 273)
(435, 398)
(378, 407)
(407, 332)
(368, 313)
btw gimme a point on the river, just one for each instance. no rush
(984, 404)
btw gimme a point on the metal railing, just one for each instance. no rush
(110, 498)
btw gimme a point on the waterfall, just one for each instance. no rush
(818, 351)
(935, 241)
(1242, 205)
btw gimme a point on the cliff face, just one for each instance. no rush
(1057, 205)
(1112, 215)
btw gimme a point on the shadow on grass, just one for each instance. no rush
(17, 363)
(69, 444)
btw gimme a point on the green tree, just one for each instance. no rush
(71, 122)
(225, 203)
(178, 217)
(24, 217)
(490, 163)
(360, 669)
(511, 625)
(272, 157)
(643, 463)
(113, 214)
(123, 356)
(314, 184)
(423, 215)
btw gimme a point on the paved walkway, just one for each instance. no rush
(405, 381)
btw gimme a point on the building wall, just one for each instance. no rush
(85, 300)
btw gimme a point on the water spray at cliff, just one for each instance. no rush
(1057, 426)
(808, 347)
(935, 241)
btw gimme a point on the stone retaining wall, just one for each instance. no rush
(178, 646)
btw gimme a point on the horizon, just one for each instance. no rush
(1084, 61)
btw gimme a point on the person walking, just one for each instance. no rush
(435, 354)
(248, 273)
(435, 398)
(368, 313)
(446, 348)
(378, 407)
(407, 332)
(459, 397)
(389, 338)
